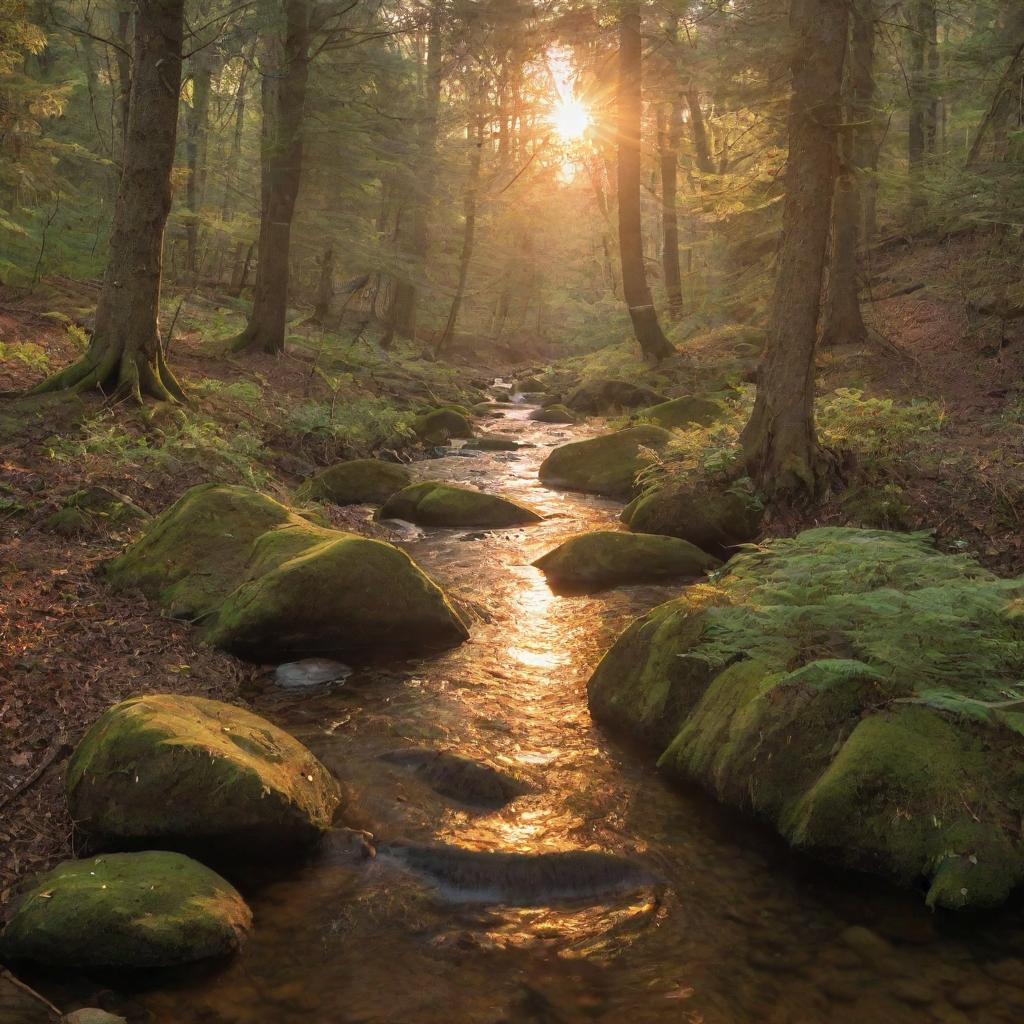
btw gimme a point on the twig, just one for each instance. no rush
(7, 976)
(61, 747)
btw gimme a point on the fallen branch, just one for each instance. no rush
(59, 749)
(7, 976)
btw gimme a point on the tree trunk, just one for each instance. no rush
(668, 144)
(918, 116)
(1002, 102)
(235, 156)
(122, 28)
(195, 149)
(844, 324)
(699, 132)
(125, 354)
(780, 441)
(475, 132)
(284, 101)
(653, 343)
(325, 287)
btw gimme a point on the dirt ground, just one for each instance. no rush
(69, 647)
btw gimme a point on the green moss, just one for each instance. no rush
(441, 425)
(67, 522)
(608, 558)
(713, 520)
(356, 482)
(603, 396)
(131, 910)
(683, 412)
(436, 504)
(857, 689)
(199, 775)
(605, 465)
(269, 585)
(554, 414)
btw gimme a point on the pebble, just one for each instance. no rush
(869, 945)
(914, 993)
(91, 1016)
(1009, 970)
(972, 995)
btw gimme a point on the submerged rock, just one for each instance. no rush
(713, 520)
(605, 465)
(356, 482)
(442, 424)
(522, 878)
(310, 672)
(126, 910)
(607, 558)
(684, 412)
(494, 443)
(461, 778)
(192, 774)
(437, 504)
(91, 1015)
(849, 687)
(554, 414)
(602, 396)
(269, 586)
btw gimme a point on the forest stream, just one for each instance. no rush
(720, 923)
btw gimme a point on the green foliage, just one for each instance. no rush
(27, 352)
(358, 426)
(875, 427)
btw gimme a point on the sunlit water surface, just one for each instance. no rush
(742, 932)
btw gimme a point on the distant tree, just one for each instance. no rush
(646, 328)
(125, 355)
(780, 441)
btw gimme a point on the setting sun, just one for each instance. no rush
(570, 119)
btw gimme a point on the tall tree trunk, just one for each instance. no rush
(921, 15)
(125, 354)
(699, 133)
(284, 101)
(653, 343)
(195, 149)
(407, 289)
(999, 109)
(780, 441)
(235, 156)
(122, 27)
(844, 324)
(668, 144)
(325, 287)
(475, 133)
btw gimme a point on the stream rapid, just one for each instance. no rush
(736, 929)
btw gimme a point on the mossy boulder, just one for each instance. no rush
(603, 396)
(437, 504)
(187, 773)
(269, 586)
(357, 482)
(554, 414)
(605, 465)
(713, 520)
(442, 425)
(856, 689)
(126, 910)
(606, 558)
(684, 412)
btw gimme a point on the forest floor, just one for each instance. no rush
(70, 647)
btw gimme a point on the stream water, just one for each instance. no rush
(740, 931)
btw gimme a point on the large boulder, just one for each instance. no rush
(606, 558)
(688, 411)
(126, 910)
(356, 482)
(437, 504)
(553, 414)
(602, 396)
(269, 586)
(186, 773)
(605, 465)
(714, 520)
(850, 687)
(441, 425)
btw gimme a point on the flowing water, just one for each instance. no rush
(737, 930)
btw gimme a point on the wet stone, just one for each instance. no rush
(912, 992)
(296, 675)
(91, 1015)
(972, 995)
(460, 778)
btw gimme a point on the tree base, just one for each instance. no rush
(119, 374)
(254, 338)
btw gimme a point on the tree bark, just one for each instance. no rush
(125, 354)
(325, 287)
(1001, 105)
(668, 140)
(918, 86)
(284, 101)
(653, 343)
(844, 324)
(699, 133)
(780, 442)
(195, 150)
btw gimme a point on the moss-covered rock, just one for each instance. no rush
(356, 482)
(605, 465)
(554, 414)
(270, 586)
(606, 558)
(854, 688)
(93, 507)
(437, 504)
(127, 910)
(603, 396)
(689, 411)
(187, 773)
(713, 520)
(493, 443)
(442, 425)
